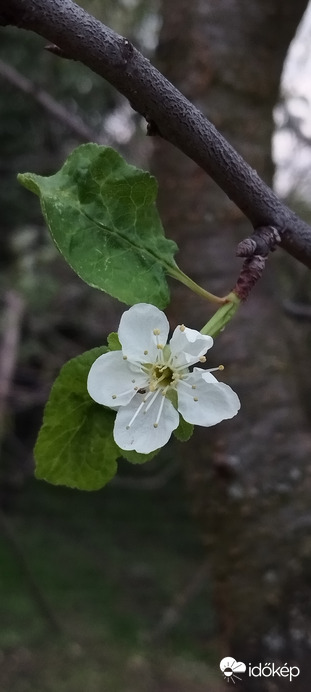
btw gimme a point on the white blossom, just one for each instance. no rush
(149, 382)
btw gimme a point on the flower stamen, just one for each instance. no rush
(138, 410)
(160, 346)
(152, 399)
(135, 415)
(186, 384)
(127, 391)
(155, 425)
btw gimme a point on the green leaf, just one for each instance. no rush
(102, 216)
(184, 430)
(113, 342)
(75, 446)
(137, 458)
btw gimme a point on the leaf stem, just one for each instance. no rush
(184, 279)
(222, 316)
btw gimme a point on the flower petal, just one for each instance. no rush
(111, 381)
(204, 401)
(142, 435)
(136, 332)
(188, 345)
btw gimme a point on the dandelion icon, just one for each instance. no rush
(229, 667)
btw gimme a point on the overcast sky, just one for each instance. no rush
(293, 157)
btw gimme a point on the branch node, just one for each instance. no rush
(251, 272)
(127, 49)
(56, 50)
(246, 247)
(256, 250)
(152, 128)
(263, 241)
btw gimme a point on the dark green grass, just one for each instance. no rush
(108, 565)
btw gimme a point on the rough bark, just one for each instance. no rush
(79, 36)
(250, 477)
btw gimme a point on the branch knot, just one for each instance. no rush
(263, 241)
(256, 250)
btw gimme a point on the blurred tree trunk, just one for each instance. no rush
(250, 477)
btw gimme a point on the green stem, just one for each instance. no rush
(184, 279)
(219, 320)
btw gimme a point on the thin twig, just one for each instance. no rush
(46, 101)
(174, 613)
(35, 591)
(297, 310)
(167, 111)
(11, 326)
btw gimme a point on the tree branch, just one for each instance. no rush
(168, 112)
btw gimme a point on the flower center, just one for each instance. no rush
(161, 376)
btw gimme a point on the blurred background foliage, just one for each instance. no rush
(101, 591)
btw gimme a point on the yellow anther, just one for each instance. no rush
(160, 346)
(194, 386)
(114, 396)
(221, 367)
(195, 398)
(155, 425)
(182, 327)
(202, 359)
(124, 357)
(145, 353)
(156, 332)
